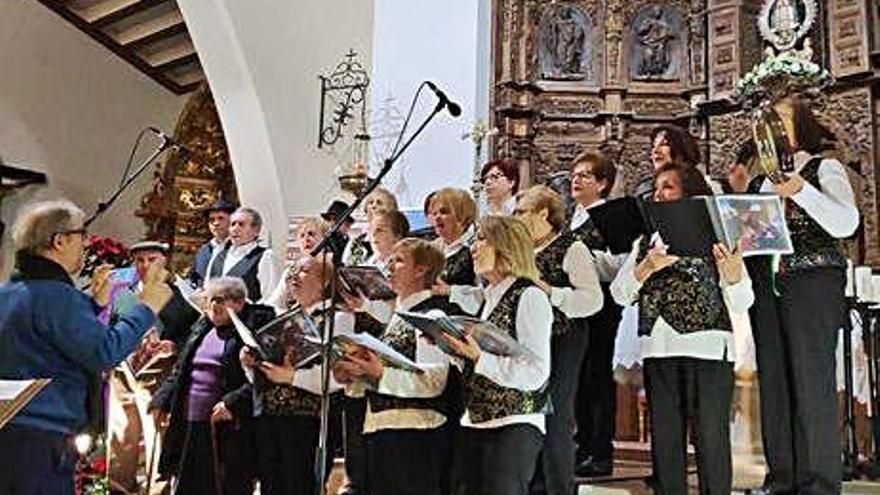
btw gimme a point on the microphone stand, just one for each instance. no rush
(105, 205)
(322, 451)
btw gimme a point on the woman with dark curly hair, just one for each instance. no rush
(670, 144)
(686, 343)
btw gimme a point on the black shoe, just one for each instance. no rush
(594, 468)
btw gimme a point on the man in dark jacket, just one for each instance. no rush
(48, 329)
(208, 400)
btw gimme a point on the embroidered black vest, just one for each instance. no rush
(246, 269)
(459, 268)
(590, 236)
(402, 336)
(549, 262)
(813, 246)
(686, 294)
(275, 399)
(486, 399)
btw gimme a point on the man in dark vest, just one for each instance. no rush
(243, 257)
(217, 215)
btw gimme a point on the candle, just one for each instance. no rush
(850, 284)
(863, 283)
(875, 287)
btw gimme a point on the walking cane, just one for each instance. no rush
(151, 463)
(218, 485)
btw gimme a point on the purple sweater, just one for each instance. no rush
(204, 389)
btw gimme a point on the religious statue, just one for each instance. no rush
(784, 20)
(655, 35)
(563, 45)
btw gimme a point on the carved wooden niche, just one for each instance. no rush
(656, 39)
(568, 45)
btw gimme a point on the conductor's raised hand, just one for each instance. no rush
(156, 292)
(101, 284)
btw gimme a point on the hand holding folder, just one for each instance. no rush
(435, 324)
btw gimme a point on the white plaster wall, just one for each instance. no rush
(72, 109)
(262, 59)
(447, 43)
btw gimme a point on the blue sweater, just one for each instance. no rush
(48, 329)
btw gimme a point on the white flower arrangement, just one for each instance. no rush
(781, 74)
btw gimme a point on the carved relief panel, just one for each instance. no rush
(657, 44)
(848, 27)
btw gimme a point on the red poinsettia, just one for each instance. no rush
(104, 250)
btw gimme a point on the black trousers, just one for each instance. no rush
(555, 475)
(36, 462)
(596, 402)
(355, 409)
(495, 461)
(795, 339)
(197, 474)
(286, 454)
(696, 391)
(408, 462)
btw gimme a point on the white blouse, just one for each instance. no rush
(534, 319)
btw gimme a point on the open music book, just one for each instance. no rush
(489, 337)
(193, 296)
(285, 335)
(352, 343)
(295, 334)
(15, 395)
(689, 227)
(367, 279)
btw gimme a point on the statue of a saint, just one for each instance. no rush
(785, 21)
(655, 35)
(563, 37)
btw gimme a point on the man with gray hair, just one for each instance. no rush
(245, 258)
(49, 329)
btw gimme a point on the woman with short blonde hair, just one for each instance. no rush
(452, 212)
(409, 418)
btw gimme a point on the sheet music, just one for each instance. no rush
(188, 292)
(11, 389)
(243, 331)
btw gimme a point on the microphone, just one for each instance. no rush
(450, 105)
(169, 142)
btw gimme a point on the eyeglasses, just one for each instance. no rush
(493, 176)
(81, 231)
(221, 299)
